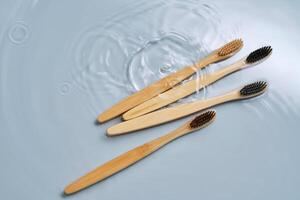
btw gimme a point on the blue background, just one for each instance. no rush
(49, 103)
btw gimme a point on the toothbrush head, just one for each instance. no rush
(202, 119)
(230, 48)
(253, 89)
(259, 54)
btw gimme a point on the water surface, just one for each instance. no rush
(62, 63)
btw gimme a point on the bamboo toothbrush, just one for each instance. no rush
(192, 86)
(169, 81)
(169, 114)
(121, 162)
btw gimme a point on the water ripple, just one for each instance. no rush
(19, 33)
(133, 48)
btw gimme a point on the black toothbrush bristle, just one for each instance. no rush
(259, 54)
(202, 119)
(253, 88)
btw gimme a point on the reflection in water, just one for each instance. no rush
(134, 49)
(273, 106)
(158, 58)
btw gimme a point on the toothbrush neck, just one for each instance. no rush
(165, 139)
(226, 97)
(225, 71)
(207, 60)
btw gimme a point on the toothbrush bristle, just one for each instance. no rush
(231, 47)
(253, 88)
(259, 54)
(202, 119)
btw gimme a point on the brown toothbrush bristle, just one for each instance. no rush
(230, 47)
(253, 88)
(202, 119)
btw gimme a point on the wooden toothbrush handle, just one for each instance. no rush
(123, 161)
(154, 89)
(145, 94)
(213, 77)
(168, 114)
(180, 91)
(161, 100)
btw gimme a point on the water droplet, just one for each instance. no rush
(165, 69)
(65, 88)
(18, 33)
